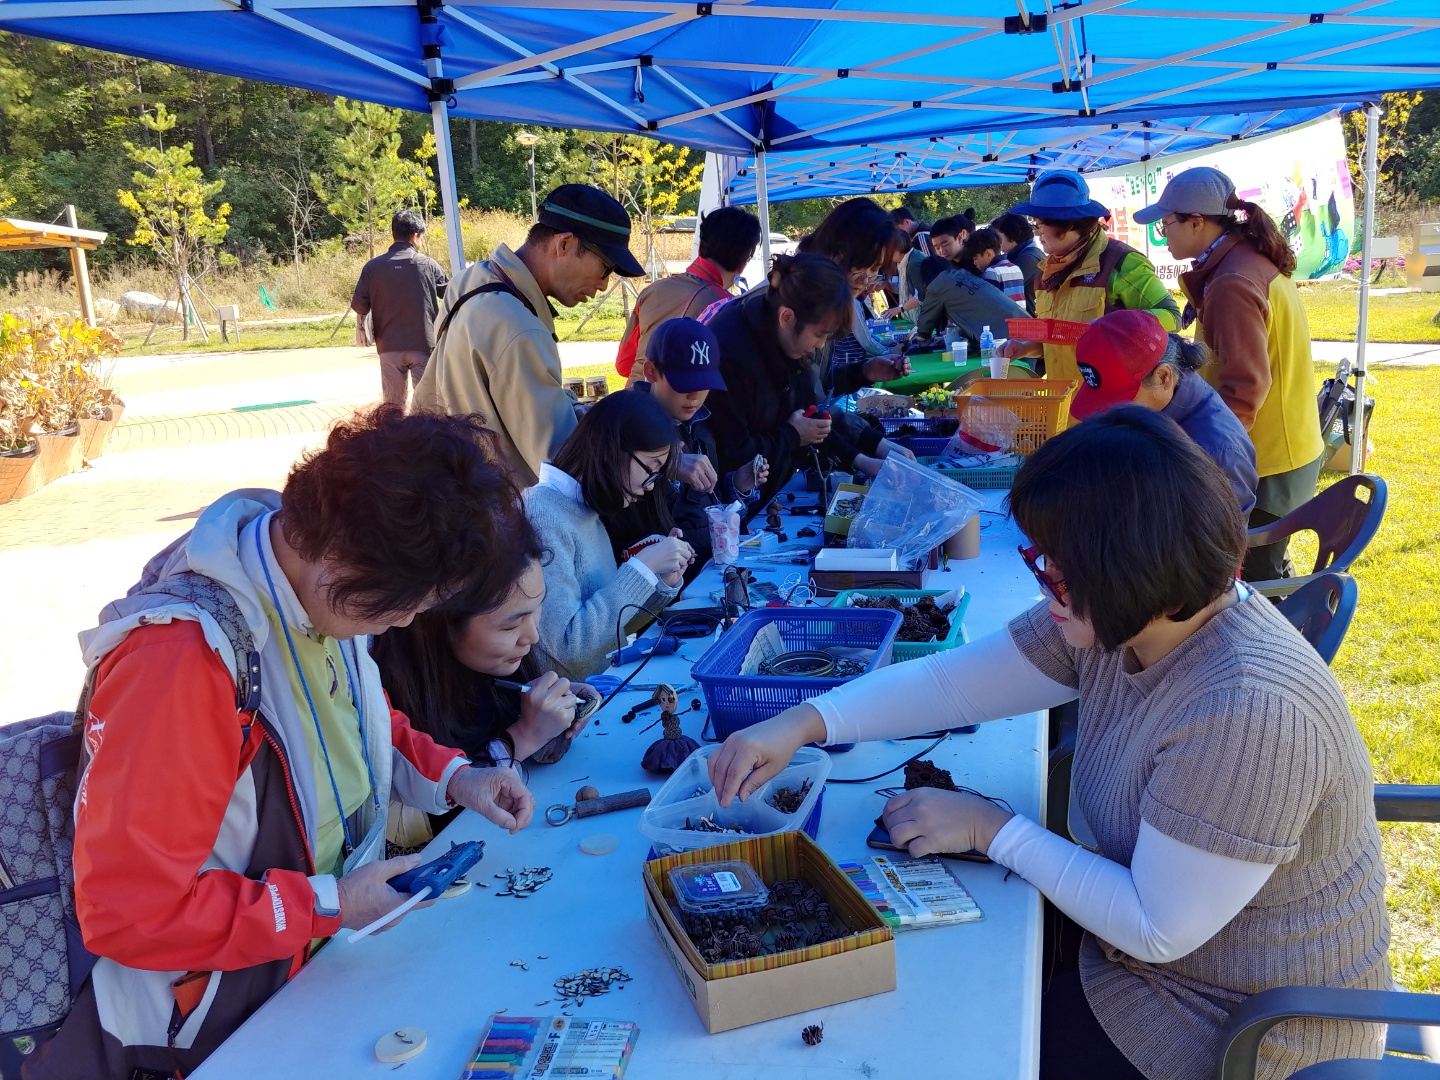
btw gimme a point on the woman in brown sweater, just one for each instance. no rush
(1216, 764)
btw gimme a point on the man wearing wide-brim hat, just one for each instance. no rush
(495, 345)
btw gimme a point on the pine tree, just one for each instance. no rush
(373, 180)
(169, 204)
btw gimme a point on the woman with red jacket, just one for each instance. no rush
(214, 846)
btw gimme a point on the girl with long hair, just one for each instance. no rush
(769, 340)
(623, 454)
(442, 669)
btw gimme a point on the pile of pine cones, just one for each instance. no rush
(922, 620)
(796, 916)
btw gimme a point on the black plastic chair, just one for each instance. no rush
(1389, 1068)
(1406, 1013)
(1321, 610)
(1344, 516)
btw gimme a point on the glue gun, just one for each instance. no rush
(431, 879)
(661, 646)
(439, 875)
(814, 412)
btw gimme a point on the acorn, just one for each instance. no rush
(589, 791)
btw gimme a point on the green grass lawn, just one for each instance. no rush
(604, 326)
(1389, 665)
(1332, 309)
(306, 335)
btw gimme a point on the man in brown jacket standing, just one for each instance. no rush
(496, 351)
(399, 290)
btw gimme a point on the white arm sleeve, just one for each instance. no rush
(1170, 900)
(986, 680)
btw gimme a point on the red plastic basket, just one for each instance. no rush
(1050, 331)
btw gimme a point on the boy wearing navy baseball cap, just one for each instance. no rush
(682, 366)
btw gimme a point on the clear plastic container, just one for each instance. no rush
(689, 794)
(731, 887)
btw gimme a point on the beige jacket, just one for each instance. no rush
(501, 361)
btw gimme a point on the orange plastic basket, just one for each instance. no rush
(1043, 406)
(1050, 331)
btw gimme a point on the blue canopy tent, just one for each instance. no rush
(746, 76)
(740, 76)
(941, 162)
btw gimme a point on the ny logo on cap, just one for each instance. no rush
(1090, 375)
(700, 353)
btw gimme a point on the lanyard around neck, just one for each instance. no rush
(309, 700)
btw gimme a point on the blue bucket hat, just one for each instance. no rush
(1061, 195)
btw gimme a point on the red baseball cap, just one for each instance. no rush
(1115, 355)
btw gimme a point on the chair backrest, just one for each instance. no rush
(1344, 517)
(1321, 610)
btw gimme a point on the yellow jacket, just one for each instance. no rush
(1109, 275)
(1251, 317)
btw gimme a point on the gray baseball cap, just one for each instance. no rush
(1201, 190)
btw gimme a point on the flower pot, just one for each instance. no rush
(16, 467)
(95, 434)
(60, 454)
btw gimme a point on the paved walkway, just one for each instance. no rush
(1377, 354)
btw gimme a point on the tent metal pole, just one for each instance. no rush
(450, 204)
(444, 155)
(762, 204)
(1362, 326)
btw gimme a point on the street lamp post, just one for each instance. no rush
(529, 139)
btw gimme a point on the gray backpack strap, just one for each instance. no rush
(215, 600)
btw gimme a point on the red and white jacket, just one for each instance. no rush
(195, 882)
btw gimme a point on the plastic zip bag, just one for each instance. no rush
(912, 509)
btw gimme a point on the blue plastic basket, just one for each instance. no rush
(922, 425)
(737, 701)
(923, 445)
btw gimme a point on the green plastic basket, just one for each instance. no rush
(979, 479)
(912, 650)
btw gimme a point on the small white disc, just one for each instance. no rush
(600, 843)
(458, 887)
(402, 1044)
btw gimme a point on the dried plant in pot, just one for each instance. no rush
(56, 406)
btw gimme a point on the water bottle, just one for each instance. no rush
(987, 350)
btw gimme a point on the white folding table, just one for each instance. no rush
(967, 1002)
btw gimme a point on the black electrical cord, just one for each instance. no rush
(877, 583)
(689, 624)
(887, 772)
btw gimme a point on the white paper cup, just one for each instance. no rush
(998, 366)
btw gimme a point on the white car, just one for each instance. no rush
(754, 272)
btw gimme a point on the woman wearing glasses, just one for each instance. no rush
(1216, 764)
(862, 239)
(622, 454)
(1086, 273)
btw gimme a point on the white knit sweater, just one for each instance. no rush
(585, 593)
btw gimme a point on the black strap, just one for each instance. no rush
(489, 287)
(215, 600)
